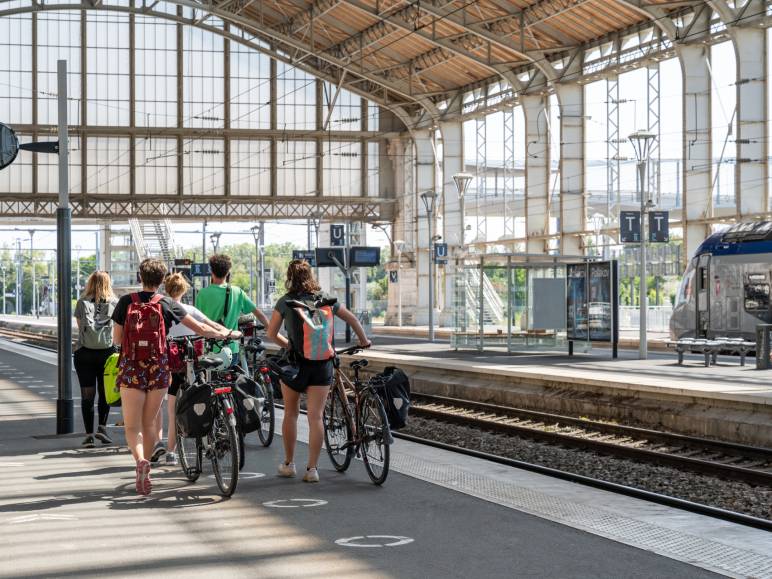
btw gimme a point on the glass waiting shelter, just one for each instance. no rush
(521, 302)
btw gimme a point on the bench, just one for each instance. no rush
(711, 348)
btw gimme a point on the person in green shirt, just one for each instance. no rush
(211, 299)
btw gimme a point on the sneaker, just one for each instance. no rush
(88, 442)
(102, 436)
(158, 452)
(287, 470)
(312, 475)
(143, 484)
(171, 459)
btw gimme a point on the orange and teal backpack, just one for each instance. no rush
(314, 327)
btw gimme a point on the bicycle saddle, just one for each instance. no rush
(255, 348)
(357, 364)
(209, 362)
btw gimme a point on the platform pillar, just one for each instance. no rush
(453, 219)
(751, 169)
(572, 203)
(696, 143)
(425, 180)
(537, 170)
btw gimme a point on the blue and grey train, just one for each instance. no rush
(725, 290)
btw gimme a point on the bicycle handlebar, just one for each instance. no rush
(351, 350)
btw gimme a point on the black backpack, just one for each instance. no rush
(395, 393)
(195, 411)
(248, 406)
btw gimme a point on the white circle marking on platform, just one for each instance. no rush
(376, 541)
(246, 475)
(294, 503)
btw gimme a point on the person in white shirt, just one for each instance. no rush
(177, 286)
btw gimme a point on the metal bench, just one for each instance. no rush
(711, 348)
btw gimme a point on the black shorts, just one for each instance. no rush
(312, 373)
(178, 379)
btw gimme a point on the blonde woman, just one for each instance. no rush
(93, 314)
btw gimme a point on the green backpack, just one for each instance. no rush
(112, 391)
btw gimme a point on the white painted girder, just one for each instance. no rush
(537, 169)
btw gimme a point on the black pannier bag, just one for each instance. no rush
(195, 411)
(395, 394)
(249, 405)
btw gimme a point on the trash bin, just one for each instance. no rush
(763, 346)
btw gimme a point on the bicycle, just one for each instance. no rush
(221, 443)
(359, 426)
(252, 358)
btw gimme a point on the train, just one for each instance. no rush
(725, 290)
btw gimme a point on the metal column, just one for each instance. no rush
(612, 144)
(537, 170)
(509, 173)
(65, 422)
(424, 181)
(653, 116)
(481, 189)
(572, 205)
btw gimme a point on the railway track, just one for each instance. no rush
(25, 337)
(748, 464)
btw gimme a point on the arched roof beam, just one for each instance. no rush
(404, 19)
(304, 19)
(376, 90)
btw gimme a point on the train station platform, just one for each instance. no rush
(72, 512)
(726, 401)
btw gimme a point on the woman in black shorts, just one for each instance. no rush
(315, 377)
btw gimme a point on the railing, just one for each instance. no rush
(138, 238)
(657, 318)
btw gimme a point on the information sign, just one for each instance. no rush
(337, 235)
(630, 226)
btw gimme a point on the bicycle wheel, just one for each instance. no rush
(337, 431)
(374, 427)
(190, 453)
(242, 452)
(267, 413)
(224, 452)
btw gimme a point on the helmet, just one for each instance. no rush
(226, 356)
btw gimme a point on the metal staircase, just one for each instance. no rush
(154, 239)
(493, 306)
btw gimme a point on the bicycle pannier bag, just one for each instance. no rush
(112, 390)
(195, 411)
(249, 405)
(314, 328)
(395, 394)
(144, 334)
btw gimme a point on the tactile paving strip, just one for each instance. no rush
(677, 545)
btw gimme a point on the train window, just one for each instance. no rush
(685, 289)
(702, 279)
(756, 297)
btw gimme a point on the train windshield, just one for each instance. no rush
(687, 285)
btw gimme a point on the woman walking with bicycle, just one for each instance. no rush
(307, 314)
(141, 323)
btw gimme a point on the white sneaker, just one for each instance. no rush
(287, 470)
(312, 475)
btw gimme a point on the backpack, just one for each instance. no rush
(314, 327)
(144, 333)
(96, 329)
(395, 393)
(195, 411)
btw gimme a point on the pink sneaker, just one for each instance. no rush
(144, 484)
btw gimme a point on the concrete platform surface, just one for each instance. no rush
(70, 512)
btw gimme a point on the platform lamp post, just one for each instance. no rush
(215, 239)
(429, 199)
(399, 247)
(462, 181)
(258, 233)
(641, 142)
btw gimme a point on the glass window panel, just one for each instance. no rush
(156, 166)
(16, 69)
(17, 177)
(107, 78)
(203, 77)
(296, 98)
(156, 78)
(108, 165)
(373, 162)
(48, 170)
(250, 88)
(373, 116)
(203, 172)
(58, 38)
(342, 169)
(251, 168)
(347, 112)
(296, 168)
